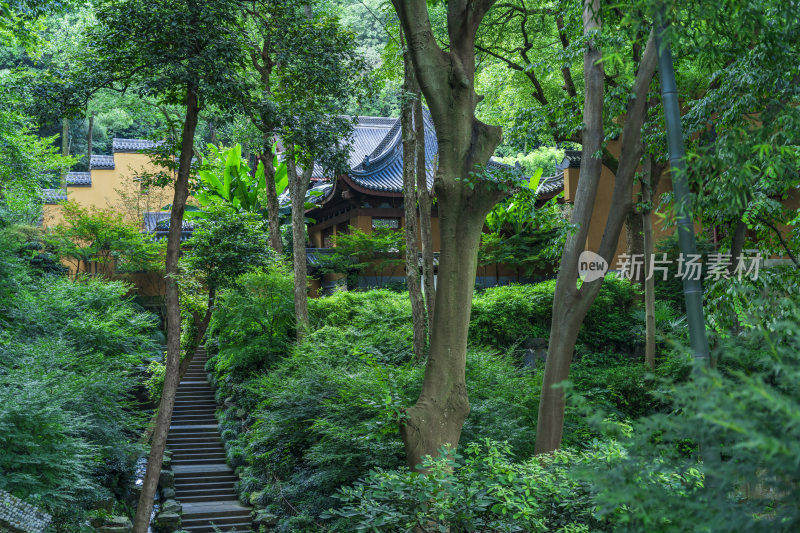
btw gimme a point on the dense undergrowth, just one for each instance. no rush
(71, 356)
(312, 427)
(302, 420)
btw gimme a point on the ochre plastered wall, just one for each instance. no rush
(110, 187)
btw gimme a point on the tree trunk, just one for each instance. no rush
(438, 416)
(173, 319)
(298, 186)
(465, 144)
(272, 202)
(410, 204)
(634, 242)
(737, 243)
(571, 304)
(89, 136)
(424, 200)
(652, 174)
(65, 149)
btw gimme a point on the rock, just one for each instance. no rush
(535, 343)
(255, 497)
(536, 350)
(120, 521)
(167, 493)
(171, 506)
(166, 479)
(167, 522)
(266, 519)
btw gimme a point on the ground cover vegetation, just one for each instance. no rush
(551, 406)
(72, 359)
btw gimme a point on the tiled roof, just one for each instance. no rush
(53, 196)
(161, 235)
(550, 186)
(382, 169)
(367, 136)
(572, 159)
(132, 145)
(79, 179)
(159, 221)
(102, 161)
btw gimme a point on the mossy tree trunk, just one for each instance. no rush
(465, 144)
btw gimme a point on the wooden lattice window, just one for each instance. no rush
(385, 222)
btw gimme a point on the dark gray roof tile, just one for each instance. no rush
(132, 145)
(102, 162)
(53, 196)
(79, 179)
(550, 186)
(572, 159)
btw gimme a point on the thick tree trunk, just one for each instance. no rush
(424, 200)
(569, 309)
(438, 416)
(737, 243)
(447, 81)
(272, 202)
(571, 304)
(171, 375)
(410, 204)
(298, 186)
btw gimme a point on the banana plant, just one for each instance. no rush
(228, 177)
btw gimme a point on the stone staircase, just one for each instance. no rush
(203, 481)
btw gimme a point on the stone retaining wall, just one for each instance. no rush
(20, 517)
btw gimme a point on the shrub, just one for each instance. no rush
(480, 488)
(356, 377)
(503, 316)
(733, 437)
(253, 323)
(325, 411)
(70, 358)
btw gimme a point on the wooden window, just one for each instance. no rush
(385, 222)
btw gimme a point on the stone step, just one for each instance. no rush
(204, 483)
(205, 491)
(180, 458)
(201, 410)
(197, 437)
(200, 461)
(184, 482)
(203, 497)
(202, 397)
(214, 510)
(241, 527)
(220, 521)
(186, 443)
(185, 487)
(211, 428)
(194, 416)
(196, 447)
(190, 437)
